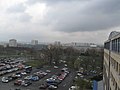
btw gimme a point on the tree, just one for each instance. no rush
(83, 84)
(77, 64)
(53, 53)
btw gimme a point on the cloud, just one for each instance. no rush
(63, 20)
(73, 15)
(16, 8)
(50, 2)
(93, 15)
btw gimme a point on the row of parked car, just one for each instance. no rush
(9, 66)
(27, 80)
(36, 76)
(22, 83)
(17, 75)
(53, 82)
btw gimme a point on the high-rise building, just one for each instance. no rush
(34, 42)
(57, 43)
(12, 43)
(111, 66)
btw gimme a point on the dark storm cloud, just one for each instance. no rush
(106, 6)
(94, 16)
(76, 15)
(17, 8)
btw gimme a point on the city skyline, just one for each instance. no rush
(39, 42)
(59, 20)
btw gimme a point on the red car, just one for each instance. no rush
(18, 82)
(61, 77)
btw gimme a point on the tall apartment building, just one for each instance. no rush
(34, 42)
(57, 43)
(111, 67)
(12, 43)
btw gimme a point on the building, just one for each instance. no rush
(77, 44)
(57, 43)
(111, 66)
(12, 43)
(34, 42)
(98, 85)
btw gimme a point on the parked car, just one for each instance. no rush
(55, 67)
(26, 83)
(34, 78)
(39, 75)
(7, 79)
(65, 65)
(28, 77)
(18, 74)
(23, 73)
(18, 82)
(52, 87)
(73, 88)
(48, 71)
(43, 86)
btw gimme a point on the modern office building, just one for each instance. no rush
(34, 42)
(111, 67)
(12, 43)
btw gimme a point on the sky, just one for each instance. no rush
(59, 20)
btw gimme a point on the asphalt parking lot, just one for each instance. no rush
(64, 85)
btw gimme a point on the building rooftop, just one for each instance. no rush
(113, 34)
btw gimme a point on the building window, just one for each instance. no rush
(117, 66)
(119, 69)
(119, 45)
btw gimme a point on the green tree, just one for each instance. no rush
(77, 64)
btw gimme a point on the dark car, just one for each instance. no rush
(10, 78)
(43, 86)
(39, 75)
(18, 74)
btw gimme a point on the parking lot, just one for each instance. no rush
(63, 85)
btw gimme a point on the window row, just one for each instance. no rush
(115, 65)
(115, 45)
(107, 45)
(106, 55)
(114, 83)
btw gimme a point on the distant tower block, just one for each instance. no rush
(34, 42)
(12, 43)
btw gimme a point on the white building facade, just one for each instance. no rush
(12, 43)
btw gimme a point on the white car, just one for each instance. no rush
(72, 88)
(65, 65)
(28, 77)
(55, 67)
(5, 80)
(48, 71)
(52, 87)
(23, 73)
(79, 74)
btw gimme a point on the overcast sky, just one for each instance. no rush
(59, 20)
